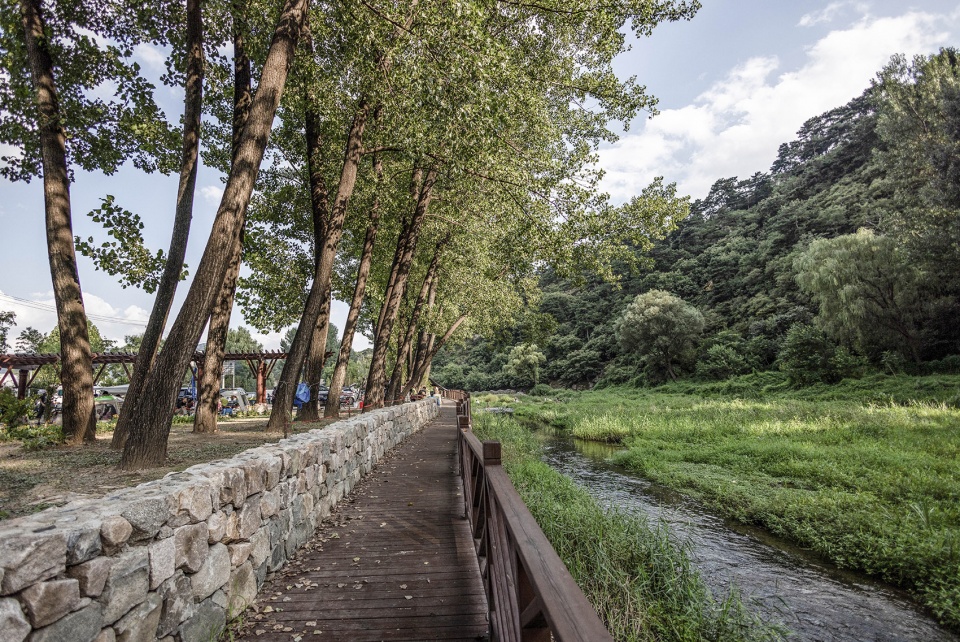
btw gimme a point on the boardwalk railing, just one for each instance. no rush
(530, 594)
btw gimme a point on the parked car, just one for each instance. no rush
(322, 393)
(348, 396)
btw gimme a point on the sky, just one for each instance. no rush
(733, 84)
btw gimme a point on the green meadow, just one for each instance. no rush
(866, 473)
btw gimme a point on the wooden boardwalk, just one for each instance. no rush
(395, 562)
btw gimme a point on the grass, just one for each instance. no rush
(866, 473)
(637, 577)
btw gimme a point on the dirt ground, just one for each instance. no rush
(31, 481)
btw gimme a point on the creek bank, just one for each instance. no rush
(812, 598)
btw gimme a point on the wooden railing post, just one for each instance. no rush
(491, 453)
(531, 596)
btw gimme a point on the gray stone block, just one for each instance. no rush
(241, 590)
(92, 575)
(106, 635)
(83, 543)
(239, 553)
(255, 475)
(206, 624)
(261, 546)
(178, 604)
(127, 584)
(249, 520)
(163, 560)
(216, 527)
(147, 512)
(140, 624)
(114, 531)
(13, 623)
(230, 484)
(28, 558)
(191, 547)
(269, 504)
(47, 602)
(80, 626)
(214, 573)
(261, 574)
(194, 500)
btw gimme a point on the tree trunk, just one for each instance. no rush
(79, 422)
(393, 387)
(320, 289)
(402, 240)
(422, 299)
(208, 388)
(424, 343)
(332, 409)
(375, 380)
(154, 409)
(424, 370)
(406, 345)
(316, 357)
(192, 105)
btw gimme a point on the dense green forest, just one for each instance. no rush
(840, 260)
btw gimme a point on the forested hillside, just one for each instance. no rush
(842, 258)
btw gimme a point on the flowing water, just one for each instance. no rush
(783, 583)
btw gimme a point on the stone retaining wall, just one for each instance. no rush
(173, 559)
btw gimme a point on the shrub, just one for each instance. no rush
(808, 356)
(13, 411)
(722, 362)
(541, 390)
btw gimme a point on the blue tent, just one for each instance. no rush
(302, 396)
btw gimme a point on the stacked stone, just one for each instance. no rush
(174, 559)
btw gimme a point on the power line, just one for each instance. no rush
(47, 307)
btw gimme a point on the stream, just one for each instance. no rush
(815, 600)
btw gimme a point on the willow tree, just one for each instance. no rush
(52, 119)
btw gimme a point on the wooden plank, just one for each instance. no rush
(395, 562)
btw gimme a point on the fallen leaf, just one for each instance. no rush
(268, 609)
(314, 623)
(356, 559)
(403, 586)
(408, 597)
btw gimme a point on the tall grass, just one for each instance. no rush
(869, 478)
(637, 577)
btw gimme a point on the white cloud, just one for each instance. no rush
(151, 57)
(735, 127)
(212, 193)
(38, 311)
(829, 13)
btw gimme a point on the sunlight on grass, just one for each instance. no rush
(865, 475)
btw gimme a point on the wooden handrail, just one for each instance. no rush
(531, 595)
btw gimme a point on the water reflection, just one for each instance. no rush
(784, 583)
